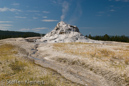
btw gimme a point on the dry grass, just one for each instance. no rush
(127, 46)
(94, 50)
(105, 60)
(21, 69)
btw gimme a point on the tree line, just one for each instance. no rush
(106, 37)
(16, 34)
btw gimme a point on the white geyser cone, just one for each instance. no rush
(65, 33)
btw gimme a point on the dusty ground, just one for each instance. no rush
(16, 69)
(83, 63)
(91, 64)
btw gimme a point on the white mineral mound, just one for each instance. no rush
(65, 33)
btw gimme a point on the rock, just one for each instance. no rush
(64, 33)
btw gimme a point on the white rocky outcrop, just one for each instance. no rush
(65, 33)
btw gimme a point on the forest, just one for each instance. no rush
(106, 37)
(16, 34)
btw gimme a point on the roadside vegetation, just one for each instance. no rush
(13, 67)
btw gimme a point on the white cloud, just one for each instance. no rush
(5, 21)
(4, 9)
(33, 11)
(12, 10)
(37, 14)
(40, 28)
(2, 29)
(4, 25)
(46, 12)
(9, 9)
(20, 17)
(101, 13)
(44, 16)
(54, 1)
(34, 29)
(17, 13)
(25, 29)
(15, 4)
(111, 5)
(117, 0)
(108, 15)
(76, 13)
(35, 17)
(65, 7)
(49, 20)
(112, 10)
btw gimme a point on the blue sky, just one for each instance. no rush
(96, 17)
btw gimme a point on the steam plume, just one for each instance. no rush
(65, 7)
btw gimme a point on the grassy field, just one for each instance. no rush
(108, 60)
(103, 52)
(20, 71)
